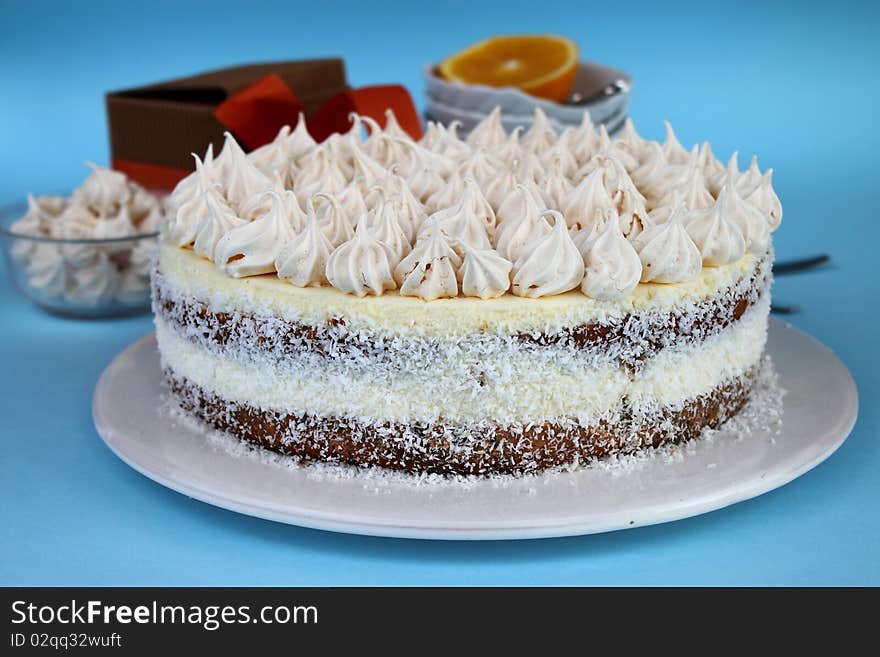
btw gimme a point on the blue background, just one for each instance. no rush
(796, 84)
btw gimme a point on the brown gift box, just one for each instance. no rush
(153, 129)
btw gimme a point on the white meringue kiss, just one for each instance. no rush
(484, 273)
(719, 240)
(667, 252)
(429, 271)
(363, 265)
(219, 220)
(613, 268)
(303, 260)
(242, 178)
(551, 265)
(523, 222)
(251, 249)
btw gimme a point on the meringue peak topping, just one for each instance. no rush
(218, 220)
(411, 212)
(425, 182)
(673, 150)
(303, 260)
(300, 142)
(613, 268)
(523, 222)
(448, 195)
(747, 217)
(478, 205)
(585, 237)
(243, 179)
(750, 179)
(590, 194)
(630, 137)
(480, 166)
(352, 201)
(497, 189)
(433, 135)
(387, 228)
(766, 200)
(182, 226)
(696, 195)
(540, 136)
(194, 184)
(363, 265)
(429, 271)
(392, 126)
(184, 222)
(251, 249)
(583, 139)
(367, 169)
(551, 265)
(510, 150)
(667, 252)
(484, 198)
(489, 132)
(460, 223)
(273, 157)
(334, 222)
(484, 273)
(719, 240)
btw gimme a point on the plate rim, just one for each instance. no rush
(494, 529)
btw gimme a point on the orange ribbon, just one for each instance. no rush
(366, 101)
(256, 114)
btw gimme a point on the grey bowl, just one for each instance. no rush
(437, 111)
(605, 90)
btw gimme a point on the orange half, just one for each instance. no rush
(540, 65)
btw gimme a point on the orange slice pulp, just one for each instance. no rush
(540, 65)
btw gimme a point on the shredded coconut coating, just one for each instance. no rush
(759, 419)
(477, 448)
(629, 339)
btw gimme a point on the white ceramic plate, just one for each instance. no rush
(820, 408)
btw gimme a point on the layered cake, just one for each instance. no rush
(502, 304)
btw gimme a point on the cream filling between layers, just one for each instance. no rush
(392, 314)
(512, 385)
(674, 376)
(525, 385)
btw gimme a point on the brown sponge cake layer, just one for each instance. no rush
(473, 449)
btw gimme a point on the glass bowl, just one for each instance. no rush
(87, 278)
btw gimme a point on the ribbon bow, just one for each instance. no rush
(256, 114)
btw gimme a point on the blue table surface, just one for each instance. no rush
(796, 85)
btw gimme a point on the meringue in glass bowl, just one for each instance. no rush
(78, 277)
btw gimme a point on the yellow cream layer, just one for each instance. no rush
(196, 277)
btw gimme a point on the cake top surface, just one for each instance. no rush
(531, 214)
